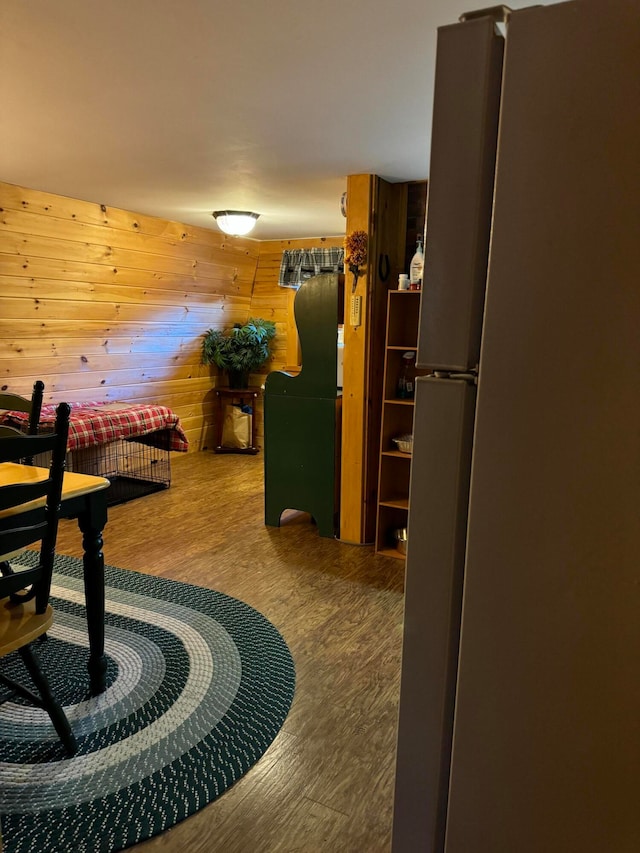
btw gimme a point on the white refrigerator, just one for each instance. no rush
(519, 721)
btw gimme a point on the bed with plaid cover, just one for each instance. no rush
(93, 424)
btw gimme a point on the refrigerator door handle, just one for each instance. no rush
(460, 194)
(438, 501)
(470, 376)
(500, 14)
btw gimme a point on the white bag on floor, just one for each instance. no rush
(236, 428)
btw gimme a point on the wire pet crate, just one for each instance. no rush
(133, 468)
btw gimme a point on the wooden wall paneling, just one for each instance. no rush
(44, 346)
(175, 314)
(25, 246)
(61, 207)
(230, 282)
(107, 304)
(58, 330)
(135, 240)
(294, 352)
(120, 290)
(102, 363)
(360, 196)
(93, 384)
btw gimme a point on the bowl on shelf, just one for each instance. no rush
(404, 443)
(400, 535)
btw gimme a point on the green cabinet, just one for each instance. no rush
(302, 414)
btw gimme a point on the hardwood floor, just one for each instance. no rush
(326, 783)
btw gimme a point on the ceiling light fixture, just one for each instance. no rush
(235, 222)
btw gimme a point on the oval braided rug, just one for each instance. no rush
(199, 685)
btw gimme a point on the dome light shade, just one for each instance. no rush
(235, 222)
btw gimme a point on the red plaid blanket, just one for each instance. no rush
(98, 423)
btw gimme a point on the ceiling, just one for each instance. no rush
(176, 108)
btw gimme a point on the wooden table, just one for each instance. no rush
(243, 395)
(83, 497)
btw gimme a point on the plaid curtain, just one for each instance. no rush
(298, 265)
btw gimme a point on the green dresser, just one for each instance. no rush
(302, 414)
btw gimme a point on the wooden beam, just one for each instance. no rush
(380, 209)
(360, 197)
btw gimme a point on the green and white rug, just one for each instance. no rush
(199, 685)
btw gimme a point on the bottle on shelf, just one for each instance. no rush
(406, 378)
(416, 267)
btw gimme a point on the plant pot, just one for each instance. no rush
(238, 379)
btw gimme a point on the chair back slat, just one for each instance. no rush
(12, 496)
(21, 524)
(15, 442)
(14, 402)
(20, 580)
(16, 538)
(10, 402)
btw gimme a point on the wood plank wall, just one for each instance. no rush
(274, 303)
(104, 304)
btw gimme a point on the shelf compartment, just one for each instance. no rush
(391, 552)
(393, 368)
(403, 348)
(396, 420)
(394, 480)
(390, 518)
(397, 454)
(404, 314)
(396, 503)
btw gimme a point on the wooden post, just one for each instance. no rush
(379, 208)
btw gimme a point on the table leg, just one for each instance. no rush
(253, 421)
(93, 563)
(218, 424)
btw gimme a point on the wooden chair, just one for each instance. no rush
(29, 514)
(15, 403)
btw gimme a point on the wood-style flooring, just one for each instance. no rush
(326, 783)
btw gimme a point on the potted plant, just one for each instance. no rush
(240, 350)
